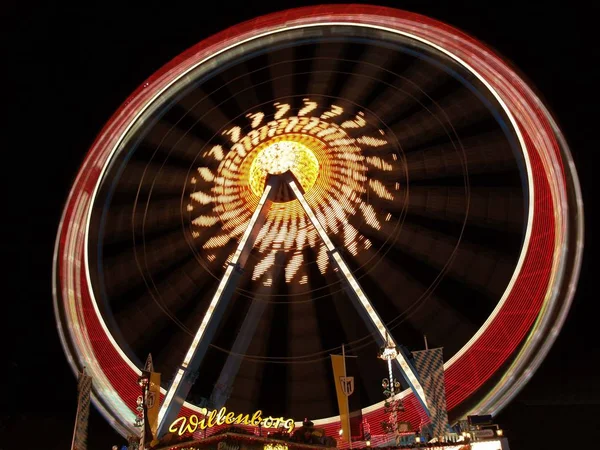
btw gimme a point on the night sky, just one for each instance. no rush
(66, 71)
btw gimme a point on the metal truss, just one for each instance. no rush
(183, 380)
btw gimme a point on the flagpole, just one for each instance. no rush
(77, 415)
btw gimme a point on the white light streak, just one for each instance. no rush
(309, 106)
(360, 295)
(170, 393)
(309, 212)
(250, 227)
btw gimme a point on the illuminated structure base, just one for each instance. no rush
(238, 441)
(231, 440)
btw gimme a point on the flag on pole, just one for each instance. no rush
(344, 387)
(430, 367)
(153, 401)
(84, 388)
(152, 395)
(348, 402)
(354, 406)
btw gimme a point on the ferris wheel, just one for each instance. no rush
(317, 177)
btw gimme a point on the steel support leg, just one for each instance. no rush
(185, 376)
(360, 299)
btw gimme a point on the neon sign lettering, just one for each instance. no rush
(190, 424)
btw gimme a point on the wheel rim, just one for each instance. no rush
(544, 253)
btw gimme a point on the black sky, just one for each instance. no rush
(66, 70)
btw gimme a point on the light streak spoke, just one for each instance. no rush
(327, 161)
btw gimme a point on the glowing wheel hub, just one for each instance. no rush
(279, 157)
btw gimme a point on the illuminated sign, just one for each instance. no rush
(221, 417)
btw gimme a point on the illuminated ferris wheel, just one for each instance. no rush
(317, 177)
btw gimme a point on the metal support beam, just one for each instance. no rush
(185, 376)
(361, 301)
(186, 373)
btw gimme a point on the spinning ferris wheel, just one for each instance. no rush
(327, 175)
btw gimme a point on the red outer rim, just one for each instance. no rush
(525, 302)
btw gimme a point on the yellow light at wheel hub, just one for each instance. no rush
(279, 156)
(330, 155)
